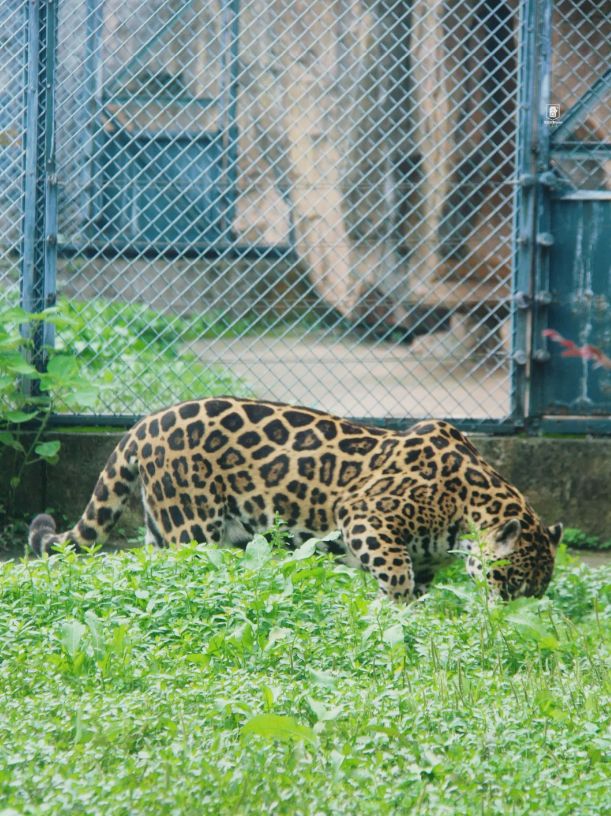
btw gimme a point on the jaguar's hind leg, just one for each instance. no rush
(152, 529)
(173, 526)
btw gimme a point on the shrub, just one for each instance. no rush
(28, 396)
(141, 359)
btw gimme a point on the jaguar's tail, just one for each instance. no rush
(115, 485)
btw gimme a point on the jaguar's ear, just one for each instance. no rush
(507, 538)
(555, 535)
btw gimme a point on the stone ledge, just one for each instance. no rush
(566, 480)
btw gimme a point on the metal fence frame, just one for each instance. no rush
(533, 229)
(537, 189)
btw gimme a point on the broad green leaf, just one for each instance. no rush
(335, 535)
(389, 730)
(15, 364)
(498, 562)
(550, 707)
(15, 314)
(9, 342)
(242, 637)
(20, 416)
(71, 636)
(84, 396)
(277, 633)
(257, 553)
(306, 550)
(62, 368)
(10, 440)
(393, 635)
(59, 319)
(461, 592)
(197, 659)
(47, 450)
(323, 712)
(308, 573)
(95, 627)
(323, 678)
(215, 557)
(216, 643)
(549, 642)
(529, 625)
(270, 695)
(280, 727)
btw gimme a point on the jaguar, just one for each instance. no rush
(218, 470)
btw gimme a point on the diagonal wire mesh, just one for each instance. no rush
(581, 84)
(304, 201)
(13, 35)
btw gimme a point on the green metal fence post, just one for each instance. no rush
(525, 205)
(30, 269)
(40, 188)
(542, 230)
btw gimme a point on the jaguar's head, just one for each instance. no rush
(516, 560)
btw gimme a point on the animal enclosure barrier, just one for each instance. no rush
(380, 208)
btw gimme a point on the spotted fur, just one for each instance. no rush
(218, 470)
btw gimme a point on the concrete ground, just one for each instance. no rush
(436, 376)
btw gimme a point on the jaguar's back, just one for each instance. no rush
(219, 469)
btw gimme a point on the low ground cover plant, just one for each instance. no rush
(206, 681)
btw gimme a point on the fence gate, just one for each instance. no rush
(566, 197)
(316, 202)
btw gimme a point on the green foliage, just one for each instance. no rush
(206, 681)
(138, 359)
(141, 358)
(578, 540)
(29, 396)
(144, 327)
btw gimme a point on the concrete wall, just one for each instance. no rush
(566, 480)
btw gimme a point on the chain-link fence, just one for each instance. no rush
(576, 375)
(581, 92)
(305, 201)
(12, 116)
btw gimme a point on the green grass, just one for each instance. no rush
(203, 681)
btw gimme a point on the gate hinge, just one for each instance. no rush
(547, 179)
(550, 180)
(543, 298)
(523, 300)
(545, 239)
